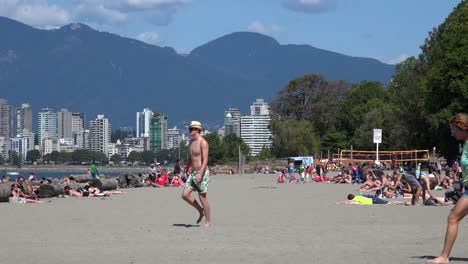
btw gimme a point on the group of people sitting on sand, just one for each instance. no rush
(22, 190)
(159, 177)
(414, 184)
(306, 173)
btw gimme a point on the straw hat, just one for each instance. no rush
(197, 125)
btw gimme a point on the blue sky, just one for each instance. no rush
(388, 30)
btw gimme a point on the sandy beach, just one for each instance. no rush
(254, 220)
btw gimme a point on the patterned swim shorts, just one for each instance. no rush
(204, 182)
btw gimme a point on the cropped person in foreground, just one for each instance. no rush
(459, 130)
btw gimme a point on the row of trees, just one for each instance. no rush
(312, 114)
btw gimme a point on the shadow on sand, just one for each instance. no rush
(451, 258)
(185, 225)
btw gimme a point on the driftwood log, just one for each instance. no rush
(130, 181)
(5, 189)
(53, 190)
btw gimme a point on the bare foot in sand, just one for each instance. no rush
(207, 225)
(201, 216)
(438, 260)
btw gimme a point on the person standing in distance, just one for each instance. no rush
(197, 172)
(459, 130)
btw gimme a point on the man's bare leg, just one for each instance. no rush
(190, 200)
(206, 208)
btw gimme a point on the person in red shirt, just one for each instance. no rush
(309, 172)
(281, 177)
(160, 181)
(175, 181)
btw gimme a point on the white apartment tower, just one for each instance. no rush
(99, 134)
(143, 123)
(255, 128)
(23, 143)
(64, 124)
(47, 128)
(173, 138)
(24, 119)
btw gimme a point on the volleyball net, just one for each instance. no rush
(384, 156)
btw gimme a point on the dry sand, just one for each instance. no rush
(254, 221)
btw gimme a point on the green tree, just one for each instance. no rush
(134, 156)
(361, 99)
(265, 154)
(334, 140)
(215, 153)
(147, 157)
(230, 145)
(311, 98)
(16, 159)
(116, 158)
(409, 129)
(54, 156)
(33, 155)
(65, 157)
(444, 68)
(293, 138)
(81, 155)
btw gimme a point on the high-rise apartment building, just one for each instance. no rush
(173, 138)
(100, 134)
(81, 139)
(259, 107)
(78, 122)
(232, 122)
(143, 123)
(64, 124)
(23, 143)
(255, 129)
(5, 119)
(47, 125)
(158, 133)
(5, 147)
(24, 122)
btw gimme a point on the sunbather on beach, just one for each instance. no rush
(16, 192)
(358, 199)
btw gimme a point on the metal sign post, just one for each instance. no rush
(377, 140)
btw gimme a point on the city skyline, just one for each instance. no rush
(65, 130)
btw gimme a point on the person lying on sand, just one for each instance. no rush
(88, 191)
(358, 199)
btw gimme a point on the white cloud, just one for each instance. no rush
(38, 13)
(259, 27)
(399, 59)
(159, 12)
(150, 37)
(310, 6)
(100, 14)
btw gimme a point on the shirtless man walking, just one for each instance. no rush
(197, 169)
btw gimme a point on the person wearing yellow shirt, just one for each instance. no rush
(359, 199)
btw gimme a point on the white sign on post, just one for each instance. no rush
(377, 135)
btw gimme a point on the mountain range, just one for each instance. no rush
(94, 72)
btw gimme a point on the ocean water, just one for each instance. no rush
(57, 174)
